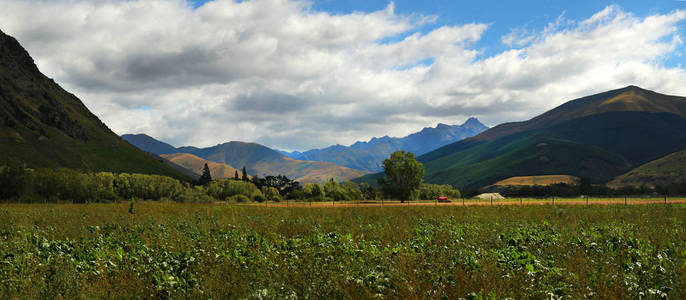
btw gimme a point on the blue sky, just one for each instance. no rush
(297, 75)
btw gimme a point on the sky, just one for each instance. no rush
(297, 75)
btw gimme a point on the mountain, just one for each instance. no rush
(368, 156)
(667, 170)
(599, 136)
(197, 164)
(146, 142)
(44, 126)
(258, 160)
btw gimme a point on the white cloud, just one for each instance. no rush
(282, 73)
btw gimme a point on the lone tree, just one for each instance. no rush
(404, 175)
(245, 175)
(235, 175)
(205, 178)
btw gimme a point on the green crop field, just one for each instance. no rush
(173, 250)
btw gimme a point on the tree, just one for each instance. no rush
(205, 178)
(404, 175)
(369, 191)
(235, 175)
(245, 175)
(333, 190)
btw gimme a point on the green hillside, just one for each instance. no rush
(583, 138)
(599, 147)
(668, 170)
(44, 126)
(631, 98)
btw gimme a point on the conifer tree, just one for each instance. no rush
(235, 175)
(245, 175)
(206, 177)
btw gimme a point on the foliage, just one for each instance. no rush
(404, 175)
(334, 191)
(352, 191)
(219, 252)
(314, 192)
(224, 188)
(238, 198)
(205, 178)
(258, 197)
(429, 191)
(12, 181)
(369, 191)
(270, 193)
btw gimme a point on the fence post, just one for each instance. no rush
(491, 200)
(520, 200)
(586, 200)
(665, 198)
(625, 203)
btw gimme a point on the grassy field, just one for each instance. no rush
(164, 250)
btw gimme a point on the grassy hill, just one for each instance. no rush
(631, 98)
(44, 126)
(197, 164)
(667, 170)
(599, 137)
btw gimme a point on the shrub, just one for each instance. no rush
(258, 197)
(270, 193)
(223, 188)
(432, 191)
(238, 198)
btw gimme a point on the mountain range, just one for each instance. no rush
(367, 156)
(44, 126)
(600, 137)
(258, 160)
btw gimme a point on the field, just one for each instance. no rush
(172, 250)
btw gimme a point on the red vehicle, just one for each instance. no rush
(443, 199)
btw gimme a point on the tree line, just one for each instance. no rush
(20, 184)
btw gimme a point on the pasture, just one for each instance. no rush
(176, 250)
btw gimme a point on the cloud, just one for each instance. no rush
(284, 74)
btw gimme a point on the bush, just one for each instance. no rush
(270, 193)
(238, 198)
(223, 188)
(432, 191)
(258, 197)
(314, 191)
(12, 180)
